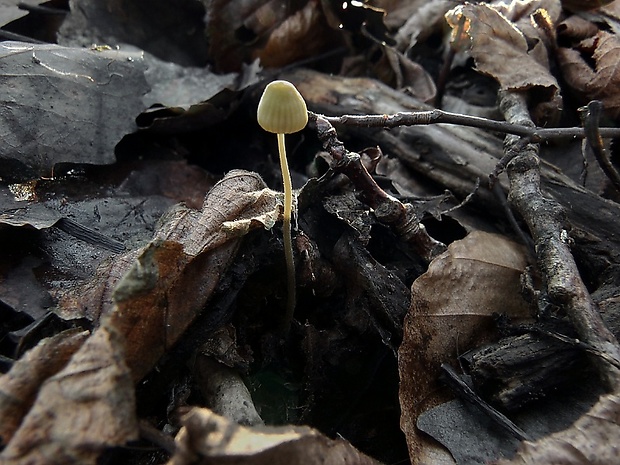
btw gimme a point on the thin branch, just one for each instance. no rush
(546, 221)
(590, 119)
(387, 209)
(416, 118)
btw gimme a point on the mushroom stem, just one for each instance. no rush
(282, 110)
(286, 229)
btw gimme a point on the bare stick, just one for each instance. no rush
(590, 119)
(415, 118)
(546, 222)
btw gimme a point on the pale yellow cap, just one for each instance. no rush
(282, 109)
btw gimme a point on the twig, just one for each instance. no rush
(590, 118)
(387, 209)
(42, 9)
(415, 118)
(545, 220)
(465, 392)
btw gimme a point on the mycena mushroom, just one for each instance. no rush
(282, 110)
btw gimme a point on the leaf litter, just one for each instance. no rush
(146, 307)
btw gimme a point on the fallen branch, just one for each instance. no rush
(417, 118)
(546, 222)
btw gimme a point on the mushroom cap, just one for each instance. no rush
(282, 109)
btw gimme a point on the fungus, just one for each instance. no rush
(282, 110)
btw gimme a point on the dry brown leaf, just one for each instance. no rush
(592, 440)
(501, 50)
(83, 409)
(584, 5)
(421, 23)
(154, 294)
(451, 311)
(277, 32)
(576, 28)
(207, 438)
(600, 83)
(18, 387)
(396, 69)
(303, 34)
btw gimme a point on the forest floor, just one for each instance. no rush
(454, 289)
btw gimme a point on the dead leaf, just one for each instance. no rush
(501, 50)
(9, 11)
(451, 311)
(207, 438)
(86, 407)
(20, 385)
(576, 28)
(155, 293)
(598, 82)
(40, 123)
(278, 33)
(592, 440)
(303, 34)
(394, 68)
(170, 31)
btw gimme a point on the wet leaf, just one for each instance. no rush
(209, 438)
(170, 31)
(452, 307)
(9, 11)
(39, 121)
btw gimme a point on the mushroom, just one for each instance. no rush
(282, 110)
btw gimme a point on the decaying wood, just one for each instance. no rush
(456, 158)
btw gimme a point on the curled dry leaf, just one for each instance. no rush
(601, 81)
(18, 387)
(155, 293)
(452, 307)
(303, 34)
(276, 32)
(207, 438)
(83, 409)
(501, 50)
(592, 440)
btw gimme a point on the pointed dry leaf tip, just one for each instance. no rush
(282, 109)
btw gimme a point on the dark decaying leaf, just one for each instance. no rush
(591, 440)
(9, 11)
(18, 387)
(44, 258)
(472, 438)
(66, 104)
(154, 294)
(172, 31)
(78, 412)
(209, 438)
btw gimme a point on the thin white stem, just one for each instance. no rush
(288, 240)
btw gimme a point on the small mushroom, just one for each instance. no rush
(282, 110)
